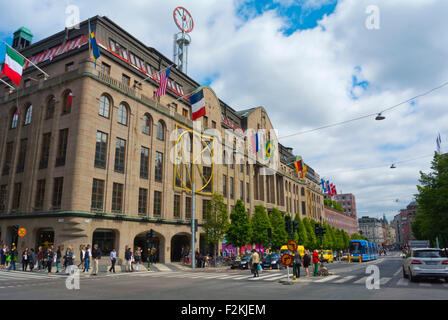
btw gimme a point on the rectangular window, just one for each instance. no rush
(22, 156)
(205, 122)
(8, 158)
(205, 204)
(185, 113)
(207, 173)
(16, 196)
(231, 188)
(45, 152)
(125, 80)
(224, 186)
(176, 206)
(303, 208)
(247, 192)
(187, 208)
(97, 195)
(100, 150)
(142, 202)
(157, 204)
(105, 68)
(3, 197)
(40, 194)
(62, 147)
(158, 173)
(57, 192)
(118, 49)
(242, 190)
(120, 151)
(214, 124)
(117, 198)
(144, 163)
(69, 66)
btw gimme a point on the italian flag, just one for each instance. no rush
(13, 66)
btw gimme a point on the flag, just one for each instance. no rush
(333, 190)
(298, 166)
(254, 143)
(94, 45)
(305, 168)
(328, 188)
(322, 183)
(164, 77)
(69, 99)
(13, 65)
(438, 142)
(269, 148)
(198, 105)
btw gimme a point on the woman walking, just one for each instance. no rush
(128, 258)
(25, 259)
(40, 258)
(113, 260)
(138, 257)
(306, 263)
(82, 252)
(69, 256)
(48, 259)
(3, 255)
(87, 256)
(58, 258)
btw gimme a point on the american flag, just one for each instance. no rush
(164, 77)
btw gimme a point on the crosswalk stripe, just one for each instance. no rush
(423, 284)
(398, 271)
(345, 279)
(362, 280)
(262, 277)
(384, 280)
(242, 277)
(277, 278)
(27, 276)
(403, 282)
(326, 279)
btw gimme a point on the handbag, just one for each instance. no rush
(259, 267)
(8, 258)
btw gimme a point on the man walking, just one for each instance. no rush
(113, 260)
(316, 262)
(96, 255)
(13, 255)
(307, 262)
(297, 264)
(87, 256)
(255, 262)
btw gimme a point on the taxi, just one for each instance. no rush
(327, 256)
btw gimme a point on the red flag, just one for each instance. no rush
(69, 99)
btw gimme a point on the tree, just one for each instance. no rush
(311, 243)
(357, 236)
(260, 225)
(240, 230)
(302, 235)
(279, 235)
(216, 221)
(432, 218)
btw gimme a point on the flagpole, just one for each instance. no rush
(151, 75)
(47, 75)
(7, 84)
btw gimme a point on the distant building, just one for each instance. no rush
(340, 220)
(372, 229)
(402, 223)
(348, 203)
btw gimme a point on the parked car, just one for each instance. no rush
(242, 263)
(273, 260)
(426, 263)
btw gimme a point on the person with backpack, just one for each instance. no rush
(297, 264)
(306, 263)
(96, 256)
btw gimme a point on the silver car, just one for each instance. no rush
(426, 262)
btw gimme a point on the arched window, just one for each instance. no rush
(29, 114)
(51, 102)
(68, 99)
(160, 134)
(15, 118)
(123, 114)
(146, 124)
(104, 106)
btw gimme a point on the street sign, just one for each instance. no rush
(292, 245)
(21, 232)
(286, 259)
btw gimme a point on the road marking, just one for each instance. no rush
(403, 282)
(266, 277)
(398, 271)
(423, 284)
(345, 279)
(162, 267)
(277, 277)
(329, 278)
(362, 280)
(384, 280)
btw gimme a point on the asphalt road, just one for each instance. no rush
(348, 282)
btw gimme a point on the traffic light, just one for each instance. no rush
(195, 225)
(295, 226)
(317, 229)
(323, 230)
(151, 234)
(15, 230)
(288, 224)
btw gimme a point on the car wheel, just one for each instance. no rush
(404, 274)
(411, 277)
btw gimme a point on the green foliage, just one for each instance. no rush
(240, 230)
(311, 243)
(357, 236)
(302, 236)
(333, 204)
(217, 220)
(432, 199)
(260, 224)
(279, 235)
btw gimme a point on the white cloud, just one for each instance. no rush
(304, 80)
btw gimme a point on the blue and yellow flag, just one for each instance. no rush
(94, 45)
(269, 150)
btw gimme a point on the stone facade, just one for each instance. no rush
(341, 221)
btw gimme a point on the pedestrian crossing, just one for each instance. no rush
(278, 276)
(12, 276)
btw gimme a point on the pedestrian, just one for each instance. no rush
(87, 255)
(69, 257)
(128, 258)
(113, 260)
(48, 259)
(13, 258)
(96, 256)
(154, 255)
(307, 262)
(82, 253)
(3, 255)
(316, 262)
(25, 259)
(255, 262)
(137, 257)
(40, 258)
(57, 258)
(297, 264)
(32, 259)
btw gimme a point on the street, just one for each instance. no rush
(348, 281)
